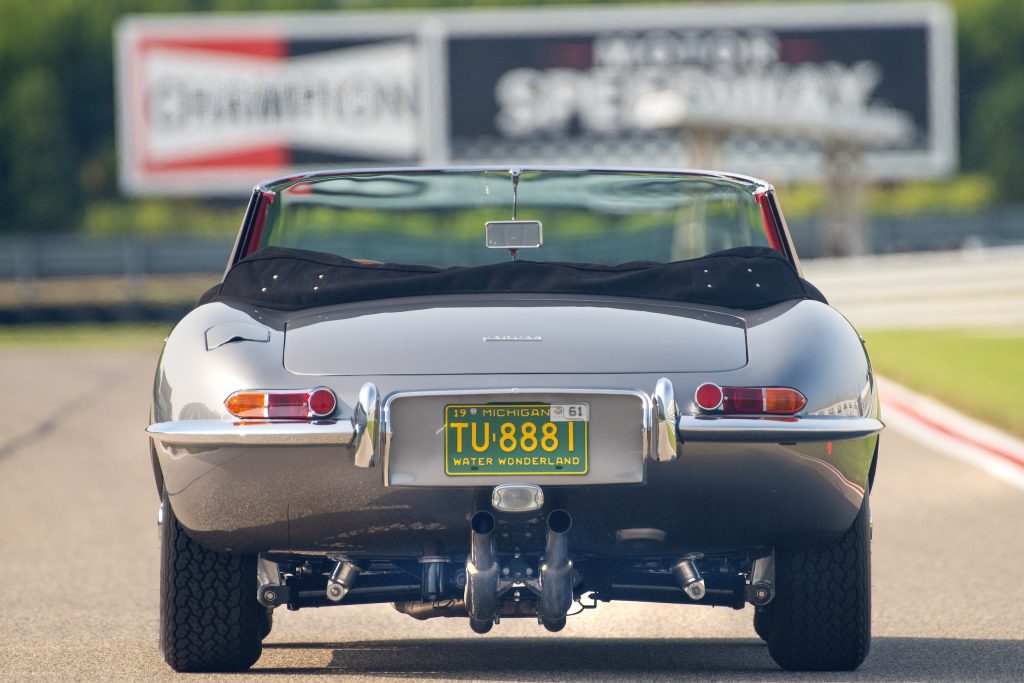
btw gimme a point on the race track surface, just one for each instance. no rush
(79, 587)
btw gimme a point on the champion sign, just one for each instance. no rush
(216, 114)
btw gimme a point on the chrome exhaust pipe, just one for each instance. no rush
(556, 573)
(482, 573)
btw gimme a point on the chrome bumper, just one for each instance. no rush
(667, 428)
(709, 428)
(225, 433)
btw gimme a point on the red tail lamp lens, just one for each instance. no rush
(709, 396)
(281, 405)
(749, 400)
(322, 402)
(744, 400)
(288, 406)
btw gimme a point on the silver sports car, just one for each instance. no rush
(492, 393)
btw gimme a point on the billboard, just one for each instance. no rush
(210, 104)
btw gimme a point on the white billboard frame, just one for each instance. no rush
(431, 30)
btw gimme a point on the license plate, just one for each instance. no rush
(516, 439)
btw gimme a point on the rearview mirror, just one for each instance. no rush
(514, 234)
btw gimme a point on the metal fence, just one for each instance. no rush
(994, 227)
(27, 258)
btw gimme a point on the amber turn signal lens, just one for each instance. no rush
(248, 405)
(783, 401)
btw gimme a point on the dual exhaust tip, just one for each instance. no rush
(558, 522)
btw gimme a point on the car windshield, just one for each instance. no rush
(438, 217)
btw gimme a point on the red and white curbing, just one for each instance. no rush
(952, 433)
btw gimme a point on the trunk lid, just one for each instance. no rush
(513, 336)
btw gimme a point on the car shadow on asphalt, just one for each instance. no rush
(586, 659)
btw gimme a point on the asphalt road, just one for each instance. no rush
(79, 574)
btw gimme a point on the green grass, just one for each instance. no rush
(980, 372)
(90, 337)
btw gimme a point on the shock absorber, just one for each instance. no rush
(689, 579)
(341, 580)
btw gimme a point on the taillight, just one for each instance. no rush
(304, 404)
(783, 401)
(322, 402)
(710, 397)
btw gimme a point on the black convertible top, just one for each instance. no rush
(292, 279)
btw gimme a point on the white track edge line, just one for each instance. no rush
(947, 444)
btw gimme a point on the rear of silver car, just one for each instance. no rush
(505, 452)
(384, 477)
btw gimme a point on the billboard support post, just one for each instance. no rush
(844, 230)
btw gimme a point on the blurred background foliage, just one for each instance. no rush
(57, 155)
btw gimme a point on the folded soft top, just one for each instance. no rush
(292, 279)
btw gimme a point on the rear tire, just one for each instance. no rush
(209, 616)
(266, 622)
(820, 619)
(480, 625)
(554, 625)
(763, 622)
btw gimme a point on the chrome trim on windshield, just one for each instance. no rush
(775, 429)
(759, 185)
(242, 433)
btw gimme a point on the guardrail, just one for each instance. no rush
(994, 227)
(37, 257)
(29, 258)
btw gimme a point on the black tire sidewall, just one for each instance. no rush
(820, 619)
(209, 615)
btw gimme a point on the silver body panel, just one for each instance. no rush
(519, 335)
(769, 480)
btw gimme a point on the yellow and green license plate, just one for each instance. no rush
(516, 439)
